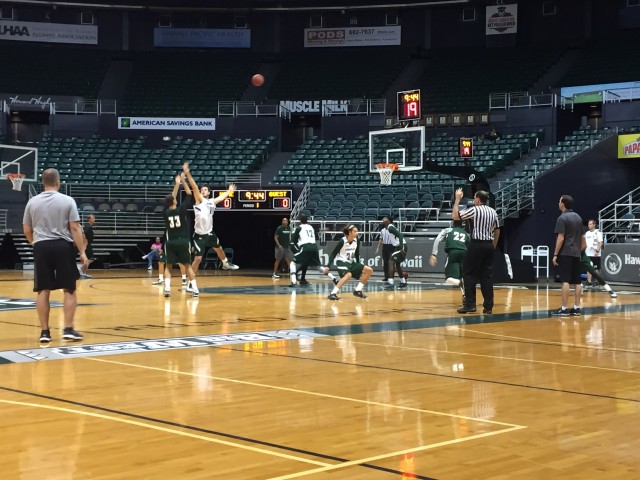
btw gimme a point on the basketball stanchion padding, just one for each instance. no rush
(386, 172)
(16, 180)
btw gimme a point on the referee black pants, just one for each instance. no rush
(477, 269)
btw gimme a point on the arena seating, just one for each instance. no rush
(183, 83)
(612, 61)
(53, 70)
(574, 144)
(101, 160)
(460, 80)
(355, 73)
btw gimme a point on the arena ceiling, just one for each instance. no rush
(257, 5)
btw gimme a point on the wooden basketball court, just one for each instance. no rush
(255, 381)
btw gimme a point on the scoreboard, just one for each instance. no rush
(256, 200)
(409, 105)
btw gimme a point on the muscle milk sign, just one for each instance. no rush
(315, 106)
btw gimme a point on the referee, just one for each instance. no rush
(479, 259)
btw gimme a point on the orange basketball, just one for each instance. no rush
(257, 80)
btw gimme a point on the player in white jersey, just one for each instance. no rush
(347, 257)
(203, 235)
(305, 251)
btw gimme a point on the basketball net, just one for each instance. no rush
(386, 172)
(16, 180)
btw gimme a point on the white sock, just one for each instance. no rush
(335, 291)
(225, 261)
(292, 272)
(184, 277)
(161, 277)
(359, 287)
(576, 306)
(167, 284)
(606, 287)
(194, 285)
(403, 280)
(331, 276)
(390, 281)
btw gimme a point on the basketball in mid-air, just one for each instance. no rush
(257, 80)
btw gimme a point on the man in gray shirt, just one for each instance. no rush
(51, 224)
(566, 256)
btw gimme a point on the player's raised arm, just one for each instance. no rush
(223, 195)
(176, 186)
(196, 192)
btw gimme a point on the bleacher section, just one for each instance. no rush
(579, 141)
(52, 70)
(460, 80)
(101, 160)
(184, 83)
(339, 73)
(614, 63)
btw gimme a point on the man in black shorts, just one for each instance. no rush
(566, 256)
(51, 224)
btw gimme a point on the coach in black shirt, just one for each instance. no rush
(479, 259)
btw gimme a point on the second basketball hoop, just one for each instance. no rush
(386, 172)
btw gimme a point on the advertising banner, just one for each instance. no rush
(629, 145)
(502, 19)
(35, 102)
(314, 106)
(352, 36)
(202, 37)
(621, 263)
(158, 123)
(48, 32)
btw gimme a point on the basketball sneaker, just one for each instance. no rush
(388, 287)
(304, 283)
(45, 336)
(70, 334)
(229, 266)
(403, 286)
(334, 296)
(275, 275)
(189, 289)
(613, 294)
(196, 293)
(185, 282)
(561, 312)
(167, 293)
(292, 285)
(359, 294)
(158, 282)
(85, 276)
(575, 312)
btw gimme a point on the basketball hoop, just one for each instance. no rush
(386, 172)
(16, 180)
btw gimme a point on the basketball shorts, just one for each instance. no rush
(397, 256)
(178, 251)
(355, 268)
(285, 253)
(89, 252)
(569, 269)
(55, 265)
(307, 255)
(202, 242)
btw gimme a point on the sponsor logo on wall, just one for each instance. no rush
(34, 102)
(629, 146)
(315, 106)
(159, 123)
(502, 19)
(352, 36)
(202, 37)
(48, 32)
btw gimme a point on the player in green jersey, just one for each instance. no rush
(394, 252)
(456, 240)
(177, 246)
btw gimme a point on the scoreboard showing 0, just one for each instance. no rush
(409, 105)
(263, 200)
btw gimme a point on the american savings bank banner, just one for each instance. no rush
(629, 146)
(352, 36)
(48, 32)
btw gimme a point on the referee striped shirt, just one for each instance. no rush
(388, 236)
(485, 221)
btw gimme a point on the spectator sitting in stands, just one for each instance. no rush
(493, 135)
(154, 254)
